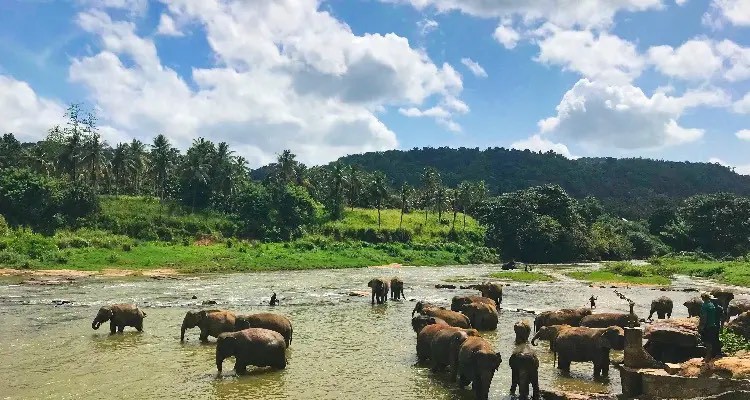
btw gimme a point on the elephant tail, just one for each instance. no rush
(291, 333)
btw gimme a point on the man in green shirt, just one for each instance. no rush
(708, 326)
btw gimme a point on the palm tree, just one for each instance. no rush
(119, 165)
(379, 192)
(465, 193)
(93, 155)
(453, 199)
(430, 179)
(440, 197)
(196, 170)
(221, 173)
(405, 195)
(355, 185)
(337, 180)
(286, 164)
(136, 163)
(161, 161)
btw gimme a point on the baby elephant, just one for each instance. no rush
(120, 316)
(253, 346)
(477, 363)
(275, 322)
(524, 363)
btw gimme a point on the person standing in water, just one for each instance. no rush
(592, 300)
(274, 301)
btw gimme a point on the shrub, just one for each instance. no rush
(483, 255)
(4, 229)
(11, 258)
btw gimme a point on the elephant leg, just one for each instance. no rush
(120, 328)
(524, 391)
(240, 368)
(650, 314)
(204, 335)
(112, 327)
(463, 381)
(139, 326)
(597, 370)
(605, 368)
(563, 363)
(535, 384)
(373, 298)
(514, 381)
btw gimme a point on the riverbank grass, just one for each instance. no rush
(625, 272)
(521, 276)
(729, 272)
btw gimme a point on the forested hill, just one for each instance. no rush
(631, 187)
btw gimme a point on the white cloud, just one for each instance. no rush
(136, 7)
(537, 143)
(442, 113)
(601, 57)
(742, 169)
(507, 35)
(24, 113)
(566, 13)
(426, 26)
(742, 106)
(167, 26)
(737, 58)
(680, 2)
(693, 60)
(743, 134)
(736, 12)
(288, 75)
(601, 115)
(474, 67)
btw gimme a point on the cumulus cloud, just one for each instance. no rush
(742, 106)
(736, 12)
(135, 7)
(682, 61)
(288, 75)
(24, 113)
(474, 67)
(602, 115)
(426, 26)
(442, 113)
(601, 57)
(566, 13)
(537, 143)
(506, 34)
(167, 26)
(737, 59)
(743, 134)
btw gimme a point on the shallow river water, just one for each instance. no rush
(343, 347)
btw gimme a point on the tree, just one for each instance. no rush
(465, 198)
(454, 201)
(195, 173)
(136, 164)
(93, 154)
(404, 195)
(379, 192)
(119, 166)
(10, 151)
(285, 168)
(161, 160)
(717, 223)
(430, 180)
(355, 185)
(295, 209)
(72, 137)
(336, 184)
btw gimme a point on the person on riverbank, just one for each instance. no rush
(592, 300)
(709, 326)
(274, 301)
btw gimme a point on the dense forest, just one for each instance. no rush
(631, 188)
(530, 207)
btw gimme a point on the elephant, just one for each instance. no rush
(379, 290)
(604, 320)
(724, 296)
(477, 363)
(587, 344)
(451, 317)
(661, 306)
(737, 307)
(252, 346)
(482, 316)
(693, 306)
(492, 291)
(397, 288)
(119, 316)
(549, 333)
(211, 323)
(424, 340)
(420, 321)
(565, 316)
(274, 322)
(444, 348)
(524, 363)
(458, 302)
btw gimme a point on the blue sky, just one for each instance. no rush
(666, 79)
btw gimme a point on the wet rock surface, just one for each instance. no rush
(740, 325)
(734, 367)
(673, 340)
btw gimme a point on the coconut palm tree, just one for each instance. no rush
(161, 159)
(405, 195)
(137, 162)
(379, 192)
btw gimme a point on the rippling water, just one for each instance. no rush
(343, 348)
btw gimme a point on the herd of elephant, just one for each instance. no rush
(445, 337)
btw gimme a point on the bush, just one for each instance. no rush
(4, 229)
(11, 259)
(29, 244)
(733, 343)
(483, 255)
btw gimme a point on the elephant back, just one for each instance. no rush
(604, 320)
(580, 343)
(275, 322)
(451, 317)
(738, 306)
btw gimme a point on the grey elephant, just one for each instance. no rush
(477, 363)
(549, 333)
(444, 348)
(451, 317)
(737, 307)
(604, 320)
(418, 322)
(724, 296)
(274, 322)
(458, 302)
(397, 288)
(565, 316)
(582, 344)
(492, 291)
(119, 316)
(693, 306)
(254, 346)
(424, 340)
(662, 306)
(524, 363)
(482, 316)
(211, 323)
(379, 288)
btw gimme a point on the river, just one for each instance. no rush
(343, 347)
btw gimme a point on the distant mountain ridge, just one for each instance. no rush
(630, 187)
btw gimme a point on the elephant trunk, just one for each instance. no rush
(182, 333)
(96, 324)
(219, 361)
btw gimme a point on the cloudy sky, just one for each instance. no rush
(667, 79)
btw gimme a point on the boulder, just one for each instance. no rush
(738, 306)
(735, 367)
(674, 340)
(741, 325)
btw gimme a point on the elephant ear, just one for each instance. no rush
(498, 360)
(108, 311)
(369, 284)
(608, 337)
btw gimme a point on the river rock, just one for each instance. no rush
(679, 331)
(194, 297)
(444, 286)
(735, 367)
(61, 302)
(560, 395)
(355, 293)
(741, 325)
(209, 302)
